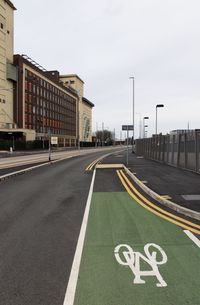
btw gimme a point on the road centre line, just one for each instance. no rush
(71, 287)
(93, 163)
(156, 207)
(153, 210)
(90, 166)
(192, 237)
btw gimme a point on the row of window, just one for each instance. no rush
(39, 121)
(48, 107)
(38, 81)
(60, 107)
(39, 90)
(47, 93)
(42, 129)
(49, 111)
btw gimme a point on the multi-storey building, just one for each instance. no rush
(35, 103)
(7, 70)
(43, 104)
(85, 106)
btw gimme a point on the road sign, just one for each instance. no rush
(127, 127)
(54, 140)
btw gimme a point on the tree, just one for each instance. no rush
(104, 137)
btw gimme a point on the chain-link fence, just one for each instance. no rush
(180, 150)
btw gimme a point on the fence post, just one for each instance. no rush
(196, 151)
(163, 148)
(178, 152)
(185, 150)
(168, 140)
(160, 146)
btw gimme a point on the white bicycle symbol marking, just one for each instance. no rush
(127, 257)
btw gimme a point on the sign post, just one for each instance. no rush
(127, 128)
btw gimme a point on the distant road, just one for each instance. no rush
(17, 161)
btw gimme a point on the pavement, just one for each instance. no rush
(181, 186)
(8, 154)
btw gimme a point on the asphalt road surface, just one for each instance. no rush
(40, 219)
(115, 247)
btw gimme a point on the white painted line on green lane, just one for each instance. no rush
(71, 287)
(192, 237)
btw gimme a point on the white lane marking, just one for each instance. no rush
(192, 237)
(71, 287)
(128, 257)
(27, 169)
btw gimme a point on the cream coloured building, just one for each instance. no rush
(85, 106)
(7, 70)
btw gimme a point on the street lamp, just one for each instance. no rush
(144, 118)
(133, 112)
(158, 106)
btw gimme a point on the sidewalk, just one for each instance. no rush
(182, 186)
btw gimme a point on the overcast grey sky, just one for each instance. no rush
(107, 41)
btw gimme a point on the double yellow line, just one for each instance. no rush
(137, 196)
(92, 164)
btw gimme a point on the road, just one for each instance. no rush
(116, 246)
(40, 219)
(17, 161)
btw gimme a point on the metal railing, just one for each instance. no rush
(180, 150)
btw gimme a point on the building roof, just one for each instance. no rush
(71, 75)
(10, 4)
(43, 72)
(86, 101)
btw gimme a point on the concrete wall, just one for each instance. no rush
(6, 56)
(85, 111)
(86, 123)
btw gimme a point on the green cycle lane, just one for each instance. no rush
(116, 219)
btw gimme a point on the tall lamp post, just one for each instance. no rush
(144, 118)
(157, 106)
(133, 113)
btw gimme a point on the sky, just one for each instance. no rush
(106, 42)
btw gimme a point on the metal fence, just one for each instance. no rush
(180, 150)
